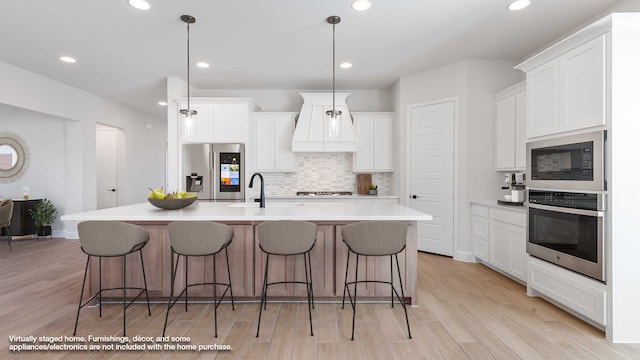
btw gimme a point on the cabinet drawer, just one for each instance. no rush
(509, 217)
(480, 210)
(580, 294)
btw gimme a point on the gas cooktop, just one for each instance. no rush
(324, 193)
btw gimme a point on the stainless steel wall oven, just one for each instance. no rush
(567, 229)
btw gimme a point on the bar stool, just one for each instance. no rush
(198, 238)
(374, 238)
(287, 238)
(6, 212)
(112, 239)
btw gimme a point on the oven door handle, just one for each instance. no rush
(593, 213)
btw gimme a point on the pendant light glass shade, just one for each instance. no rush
(188, 113)
(334, 116)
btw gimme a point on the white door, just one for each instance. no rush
(106, 168)
(431, 187)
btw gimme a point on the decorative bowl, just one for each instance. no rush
(172, 204)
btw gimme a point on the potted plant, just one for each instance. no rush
(373, 190)
(43, 216)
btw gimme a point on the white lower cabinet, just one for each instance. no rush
(480, 232)
(499, 239)
(581, 295)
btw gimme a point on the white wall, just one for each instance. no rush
(472, 83)
(290, 100)
(79, 111)
(44, 136)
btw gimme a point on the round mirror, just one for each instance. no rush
(14, 157)
(8, 157)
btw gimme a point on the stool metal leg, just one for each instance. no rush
(100, 285)
(215, 303)
(309, 284)
(346, 273)
(124, 295)
(264, 294)
(144, 277)
(186, 283)
(355, 297)
(313, 301)
(402, 301)
(174, 272)
(391, 279)
(84, 280)
(226, 253)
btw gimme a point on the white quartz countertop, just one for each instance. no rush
(329, 197)
(494, 203)
(224, 211)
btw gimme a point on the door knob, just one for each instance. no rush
(113, 190)
(414, 196)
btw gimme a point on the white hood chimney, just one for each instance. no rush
(312, 128)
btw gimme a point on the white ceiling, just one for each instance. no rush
(125, 54)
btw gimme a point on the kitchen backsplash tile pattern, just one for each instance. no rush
(321, 172)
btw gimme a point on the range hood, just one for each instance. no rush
(312, 126)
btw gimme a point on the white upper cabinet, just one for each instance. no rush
(273, 141)
(230, 123)
(374, 134)
(582, 83)
(218, 120)
(511, 116)
(567, 92)
(542, 87)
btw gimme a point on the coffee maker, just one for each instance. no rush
(514, 182)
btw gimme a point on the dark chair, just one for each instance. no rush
(287, 238)
(374, 238)
(6, 211)
(198, 238)
(112, 239)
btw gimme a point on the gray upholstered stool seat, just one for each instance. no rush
(374, 238)
(6, 212)
(287, 238)
(198, 238)
(112, 239)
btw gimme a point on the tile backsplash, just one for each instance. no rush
(321, 172)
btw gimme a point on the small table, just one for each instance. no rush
(21, 221)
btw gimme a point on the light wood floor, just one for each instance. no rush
(464, 311)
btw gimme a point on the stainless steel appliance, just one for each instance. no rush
(573, 162)
(514, 182)
(214, 171)
(567, 229)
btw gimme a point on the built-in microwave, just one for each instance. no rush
(573, 162)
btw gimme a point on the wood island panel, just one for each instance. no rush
(328, 260)
(291, 268)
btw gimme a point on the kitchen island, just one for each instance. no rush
(328, 257)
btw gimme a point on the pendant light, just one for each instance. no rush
(188, 112)
(335, 116)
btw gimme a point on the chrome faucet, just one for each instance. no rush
(261, 187)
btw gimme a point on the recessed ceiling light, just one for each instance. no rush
(518, 5)
(162, 103)
(67, 59)
(361, 5)
(140, 4)
(203, 65)
(346, 65)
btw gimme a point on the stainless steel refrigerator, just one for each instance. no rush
(214, 171)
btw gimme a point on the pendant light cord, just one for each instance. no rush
(333, 113)
(188, 72)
